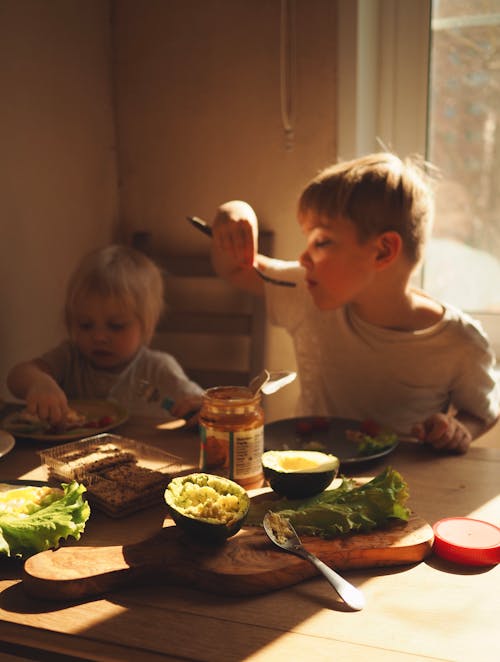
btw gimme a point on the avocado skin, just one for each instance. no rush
(298, 485)
(202, 530)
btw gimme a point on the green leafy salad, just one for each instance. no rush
(371, 437)
(370, 445)
(345, 509)
(33, 519)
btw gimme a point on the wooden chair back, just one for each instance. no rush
(216, 332)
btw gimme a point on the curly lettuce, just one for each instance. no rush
(343, 510)
(55, 518)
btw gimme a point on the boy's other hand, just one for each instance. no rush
(188, 408)
(444, 432)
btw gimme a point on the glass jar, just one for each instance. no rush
(232, 434)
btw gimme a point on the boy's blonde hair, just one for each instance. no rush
(122, 273)
(377, 193)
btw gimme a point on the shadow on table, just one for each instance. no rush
(162, 619)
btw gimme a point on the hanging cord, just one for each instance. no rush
(287, 70)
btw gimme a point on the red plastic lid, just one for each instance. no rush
(468, 541)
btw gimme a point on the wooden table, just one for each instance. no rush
(433, 610)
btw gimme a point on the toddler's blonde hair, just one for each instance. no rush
(125, 274)
(377, 193)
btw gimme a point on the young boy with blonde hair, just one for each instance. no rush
(114, 300)
(369, 345)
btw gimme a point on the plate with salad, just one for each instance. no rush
(85, 417)
(353, 442)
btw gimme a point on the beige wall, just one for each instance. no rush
(58, 191)
(199, 119)
(196, 86)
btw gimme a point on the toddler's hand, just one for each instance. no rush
(188, 406)
(444, 432)
(47, 400)
(235, 231)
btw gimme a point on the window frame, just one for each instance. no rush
(383, 49)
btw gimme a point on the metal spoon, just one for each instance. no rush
(270, 382)
(286, 538)
(203, 226)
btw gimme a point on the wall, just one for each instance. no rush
(58, 187)
(199, 121)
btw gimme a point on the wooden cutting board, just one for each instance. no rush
(246, 564)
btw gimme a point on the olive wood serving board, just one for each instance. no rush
(246, 564)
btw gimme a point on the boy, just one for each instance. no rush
(368, 344)
(114, 300)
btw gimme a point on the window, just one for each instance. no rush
(427, 80)
(463, 259)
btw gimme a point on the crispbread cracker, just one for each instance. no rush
(98, 458)
(136, 477)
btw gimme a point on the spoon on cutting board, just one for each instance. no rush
(281, 532)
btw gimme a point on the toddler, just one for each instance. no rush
(113, 303)
(369, 345)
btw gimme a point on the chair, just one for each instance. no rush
(216, 332)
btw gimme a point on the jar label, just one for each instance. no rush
(236, 455)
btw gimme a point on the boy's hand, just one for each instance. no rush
(47, 400)
(444, 432)
(188, 408)
(235, 232)
(234, 246)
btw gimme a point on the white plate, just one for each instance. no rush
(7, 442)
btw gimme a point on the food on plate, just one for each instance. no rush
(344, 509)
(307, 425)
(297, 473)
(371, 438)
(36, 518)
(26, 422)
(25, 419)
(211, 508)
(370, 427)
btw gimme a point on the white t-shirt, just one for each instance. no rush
(351, 369)
(80, 380)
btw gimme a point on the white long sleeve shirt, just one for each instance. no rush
(351, 369)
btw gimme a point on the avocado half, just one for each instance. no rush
(207, 507)
(298, 474)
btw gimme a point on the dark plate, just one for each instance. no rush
(321, 434)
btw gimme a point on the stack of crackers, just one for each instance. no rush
(114, 470)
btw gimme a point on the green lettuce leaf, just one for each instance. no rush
(343, 510)
(23, 536)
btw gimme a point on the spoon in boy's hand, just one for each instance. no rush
(270, 382)
(203, 226)
(150, 393)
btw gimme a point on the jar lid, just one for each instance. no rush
(467, 541)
